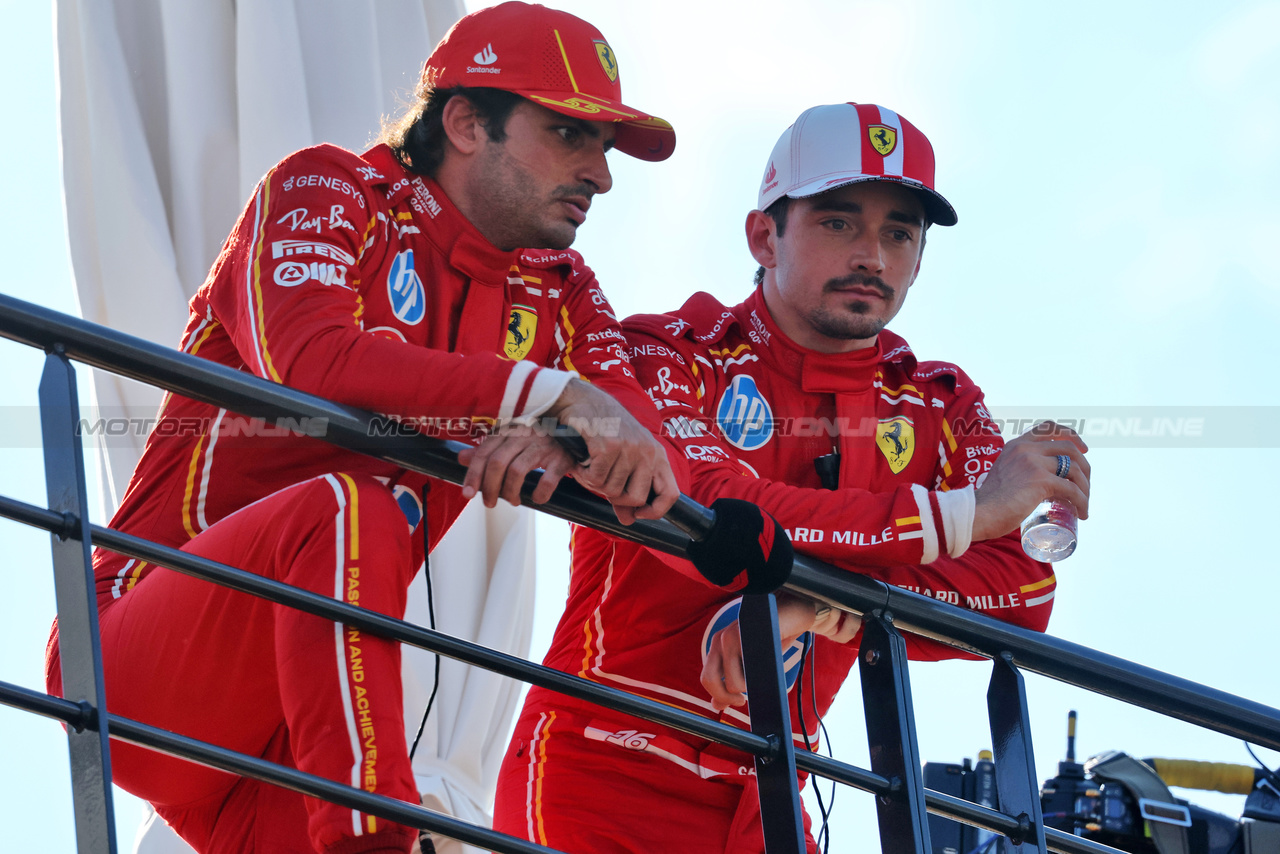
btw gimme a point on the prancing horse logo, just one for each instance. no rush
(607, 60)
(896, 438)
(883, 139)
(521, 329)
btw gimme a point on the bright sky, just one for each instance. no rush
(1113, 168)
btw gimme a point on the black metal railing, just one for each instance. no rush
(895, 775)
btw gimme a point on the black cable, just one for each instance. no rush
(804, 730)
(985, 846)
(431, 618)
(425, 843)
(1271, 775)
(825, 834)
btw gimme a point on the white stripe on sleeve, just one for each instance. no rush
(548, 385)
(255, 322)
(957, 508)
(515, 384)
(927, 528)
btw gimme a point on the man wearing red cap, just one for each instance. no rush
(799, 400)
(429, 279)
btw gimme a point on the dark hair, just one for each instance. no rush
(778, 213)
(417, 138)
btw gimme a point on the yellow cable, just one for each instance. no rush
(1211, 776)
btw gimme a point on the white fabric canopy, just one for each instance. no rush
(170, 112)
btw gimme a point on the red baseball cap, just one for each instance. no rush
(835, 145)
(555, 60)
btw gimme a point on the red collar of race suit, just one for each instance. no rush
(853, 371)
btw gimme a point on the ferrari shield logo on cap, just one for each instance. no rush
(896, 439)
(520, 332)
(607, 60)
(883, 138)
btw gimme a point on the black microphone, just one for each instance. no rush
(828, 468)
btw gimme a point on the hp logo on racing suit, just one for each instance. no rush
(410, 505)
(744, 415)
(404, 289)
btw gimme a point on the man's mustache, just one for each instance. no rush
(863, 280)
(586, 191)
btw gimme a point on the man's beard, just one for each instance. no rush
(850, 324)
(516, 211)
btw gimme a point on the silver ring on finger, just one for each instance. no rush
(1064, 465)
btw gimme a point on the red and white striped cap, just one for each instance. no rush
(835, 145)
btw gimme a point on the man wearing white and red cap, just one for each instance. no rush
(799, 400)
(428, 278)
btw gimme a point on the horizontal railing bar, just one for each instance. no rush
(399, 630)
(849, 775)
(213, 756)
(37, 517)
(1067, 843)
(81, 716)
(78, 716)
(977, 815)
(1047, 655)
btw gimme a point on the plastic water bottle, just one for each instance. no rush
(1049, 533)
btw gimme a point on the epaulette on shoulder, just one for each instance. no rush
(898, 352)
(334, 168)
(569, 262)
(325, 154)
(702, 318)
(945, 371)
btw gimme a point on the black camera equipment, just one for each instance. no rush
(1123, 802)
(973, 782)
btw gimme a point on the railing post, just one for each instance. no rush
(891, 736)
(780, 811)
(78, 639)
(1015, 761)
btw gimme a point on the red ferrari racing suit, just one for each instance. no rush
(348, 277)
(751, 411)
